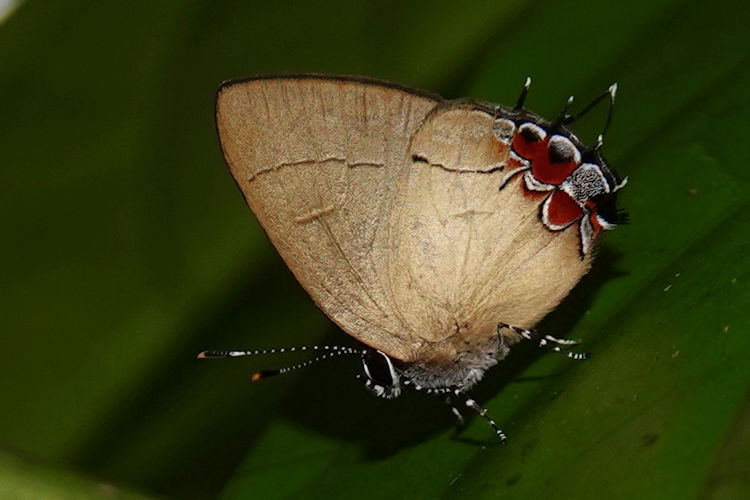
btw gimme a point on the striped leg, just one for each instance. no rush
(459, 418)
(546, 341)
(470, 403)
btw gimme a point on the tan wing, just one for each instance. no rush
(317, 160)
(467, 255)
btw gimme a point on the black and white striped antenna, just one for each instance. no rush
(325, 350)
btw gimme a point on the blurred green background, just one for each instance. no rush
(127, 249)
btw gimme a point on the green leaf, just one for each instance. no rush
(128, 249)
(23, 480)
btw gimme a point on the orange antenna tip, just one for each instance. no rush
(264, 374)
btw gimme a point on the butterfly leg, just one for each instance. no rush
(545, 341)
(460, 421)
(470, 403)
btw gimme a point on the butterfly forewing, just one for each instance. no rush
(318, 162)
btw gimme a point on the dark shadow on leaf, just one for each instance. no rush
(204, 459)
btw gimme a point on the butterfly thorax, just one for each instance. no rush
(444, 367)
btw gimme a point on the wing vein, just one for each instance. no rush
(351, 267)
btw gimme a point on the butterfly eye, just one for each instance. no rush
(381, 377)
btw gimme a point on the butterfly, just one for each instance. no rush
(435, 232)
